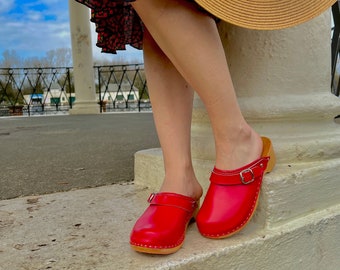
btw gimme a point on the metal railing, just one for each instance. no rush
(122, 88)
(43, 91)
(32, 91)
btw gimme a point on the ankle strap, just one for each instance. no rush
(242, 176)
(172, 199)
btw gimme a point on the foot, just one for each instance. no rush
(161, 229)
(236, 193)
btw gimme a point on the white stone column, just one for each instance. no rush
(86, 100)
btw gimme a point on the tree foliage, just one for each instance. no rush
(61, 57)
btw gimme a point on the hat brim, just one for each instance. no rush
(266, 14)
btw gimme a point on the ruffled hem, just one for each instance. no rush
(117, 24)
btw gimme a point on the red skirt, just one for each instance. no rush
(117, 24)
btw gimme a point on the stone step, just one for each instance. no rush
(281, 106)
(288, 192)
(300, 140)
(89, 229)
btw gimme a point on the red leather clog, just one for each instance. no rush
(161, 229)
(232, 196)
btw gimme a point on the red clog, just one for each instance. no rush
(161, 229)
(232, 196)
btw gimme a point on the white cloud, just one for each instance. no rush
(32, 35)
(6, 5)
(34, 15)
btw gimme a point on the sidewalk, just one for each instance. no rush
(42, 155)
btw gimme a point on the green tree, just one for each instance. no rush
(9, 95)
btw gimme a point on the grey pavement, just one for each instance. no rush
(47, 154)
(83, 228)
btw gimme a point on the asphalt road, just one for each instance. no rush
(40, 155)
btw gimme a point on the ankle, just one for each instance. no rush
(238, 149)
(185, 184)
(242, 133)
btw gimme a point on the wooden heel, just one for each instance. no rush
(268, 151)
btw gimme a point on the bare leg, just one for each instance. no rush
(190, 40)
(172, 99)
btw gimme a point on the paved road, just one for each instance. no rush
(41, 155)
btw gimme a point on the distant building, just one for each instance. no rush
(115, 96)
(53, 96)
(34, 99)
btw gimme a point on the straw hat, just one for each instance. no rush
(266, 14)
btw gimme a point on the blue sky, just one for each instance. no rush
(33, 27)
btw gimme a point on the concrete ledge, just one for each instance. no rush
(280, 107)
(306, 243)
(292, 190)
(89, 229)
(296, 140)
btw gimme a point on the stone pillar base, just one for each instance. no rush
(85, 107)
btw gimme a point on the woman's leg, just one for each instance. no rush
(191, 41)
(171, 98)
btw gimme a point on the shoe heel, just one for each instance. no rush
(268, 151)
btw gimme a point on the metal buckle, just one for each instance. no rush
(243, 178)
(152, 195)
